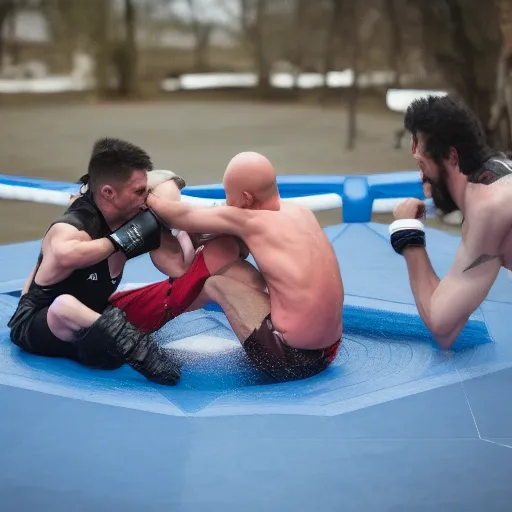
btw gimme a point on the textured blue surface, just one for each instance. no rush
(394, 425)
(423, 429)
(387, 352)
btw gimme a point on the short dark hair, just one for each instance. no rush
(447, 122)
(115, 159)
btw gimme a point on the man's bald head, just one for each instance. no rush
(250, 180)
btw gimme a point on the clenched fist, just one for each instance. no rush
(409, 209)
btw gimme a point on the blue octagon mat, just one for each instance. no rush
(394, 424)
(386, 354)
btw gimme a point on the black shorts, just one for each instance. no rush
(30, 332)
(268, 350)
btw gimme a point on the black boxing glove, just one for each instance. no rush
(141, 234)
(407, 233)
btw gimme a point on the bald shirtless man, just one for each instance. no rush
(293, 331)
(188, 260)
(464, 174)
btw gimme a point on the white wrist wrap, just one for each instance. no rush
(401, 224)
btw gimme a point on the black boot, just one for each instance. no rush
(121, 339)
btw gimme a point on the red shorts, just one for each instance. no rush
(269, 351)
(152, 306)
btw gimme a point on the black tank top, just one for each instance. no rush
(492, 170)
(92, 286)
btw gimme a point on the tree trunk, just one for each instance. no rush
(395, 46)
(202, 33)
(300, 11)
(500, 123)
(505, 15)
(334, 27)
(462, 43)
(102, 46)
(64, 21)
(466, 53)
(6, 7)
(127, 65)
(254, 29)
(263, 67)
(354, 88)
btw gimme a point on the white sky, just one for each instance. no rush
(220, 11)
(31, 26)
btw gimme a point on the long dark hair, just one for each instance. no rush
(446, 122)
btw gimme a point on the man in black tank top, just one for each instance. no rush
(64, 309)
(465, 174)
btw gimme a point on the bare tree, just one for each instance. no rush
(126, 54)
(115, 51)
(87, 26)
(7, 11)
(500, 124)
(68, 25)
(99, 22)
(202, 33)
(363, 18)
(299, 40)
(466, 50)
(335, 20)
(253, 13)
(395, 39)
(353, 14)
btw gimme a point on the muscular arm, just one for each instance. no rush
(175, 254)
(28, 281)
(446, 305)
(221, 219)
(187, 247)
(74, 249)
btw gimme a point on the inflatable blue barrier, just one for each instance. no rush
(391, 422)
(42, 184)
(392, 185)
(358, 193)
(357, 200)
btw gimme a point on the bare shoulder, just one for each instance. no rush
(254, 223)
(502, 190)
(290, 218)
(490, 201)
(488, 216)
(301, 214)
(295, 209)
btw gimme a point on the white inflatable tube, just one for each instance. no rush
(316, 203)
(35, 195)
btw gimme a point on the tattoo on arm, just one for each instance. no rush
(483, 258)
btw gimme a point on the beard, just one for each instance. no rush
(441, 196)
